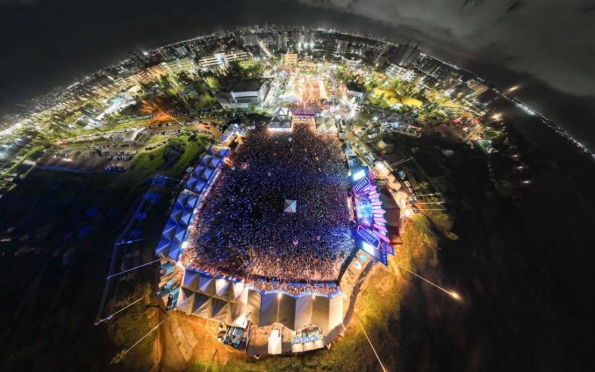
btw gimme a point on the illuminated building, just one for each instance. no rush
(290, 59)
(222, 59)
(477, 87)
(395, 71)
(243, 94)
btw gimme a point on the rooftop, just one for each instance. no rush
(246, 85)
(355, 87)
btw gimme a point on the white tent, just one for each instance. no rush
(254, 306)
(326, 124)
(217, 298)
(268, 309)
(223, 289)
(282, 111)
(233, 302)
(303, 311)
(292, 92)
(286, 311)
(202, 306)
(290, 206)
(280, 123)
(327, 313)
(275, 342)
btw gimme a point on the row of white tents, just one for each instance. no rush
(233, 302)
(174, 234)
(281, 120)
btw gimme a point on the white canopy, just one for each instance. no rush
(275, 346)
(233, 302)
(290, 206)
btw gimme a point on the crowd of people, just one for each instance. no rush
(242, 228)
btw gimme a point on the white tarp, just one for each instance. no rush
(303, 311)
(275, 342)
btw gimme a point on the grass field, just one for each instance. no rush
(57, 232)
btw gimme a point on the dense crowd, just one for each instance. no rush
(242, 227)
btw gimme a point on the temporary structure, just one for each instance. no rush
(290, 206)
(233, 302)
(275, 342)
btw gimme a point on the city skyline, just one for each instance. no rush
(36, 70)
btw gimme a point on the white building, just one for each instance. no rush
(477, 87)
(355, 90)
(222, 59)
(395, 71)
(243, 94)
(177, 66)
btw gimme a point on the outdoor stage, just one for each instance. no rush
(372, 208)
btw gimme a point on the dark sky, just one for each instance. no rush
(546, 46)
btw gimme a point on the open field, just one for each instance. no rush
(57, 233)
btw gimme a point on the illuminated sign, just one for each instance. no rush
(369, 249)
(368, 236)
(359, 175)
(361, 185)
(388, 248)
(377, 254)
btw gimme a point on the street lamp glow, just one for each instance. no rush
(450, 293)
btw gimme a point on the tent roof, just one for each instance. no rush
(202, 306)
(190, 280)
(282, 111)
(232, 302)
(290, 206)
(174, 251)
(206, 285)
(254, 306)
(223, 289)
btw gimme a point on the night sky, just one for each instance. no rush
(546, 46)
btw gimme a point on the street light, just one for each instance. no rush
(450, 293)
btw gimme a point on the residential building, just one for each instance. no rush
(157, 71)
(433, 67)
(477, 87)
(351, 60)
(222, 59)
(138, 59)
(404, 55)
(290, 59)
(178, 66)
(395, 71)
